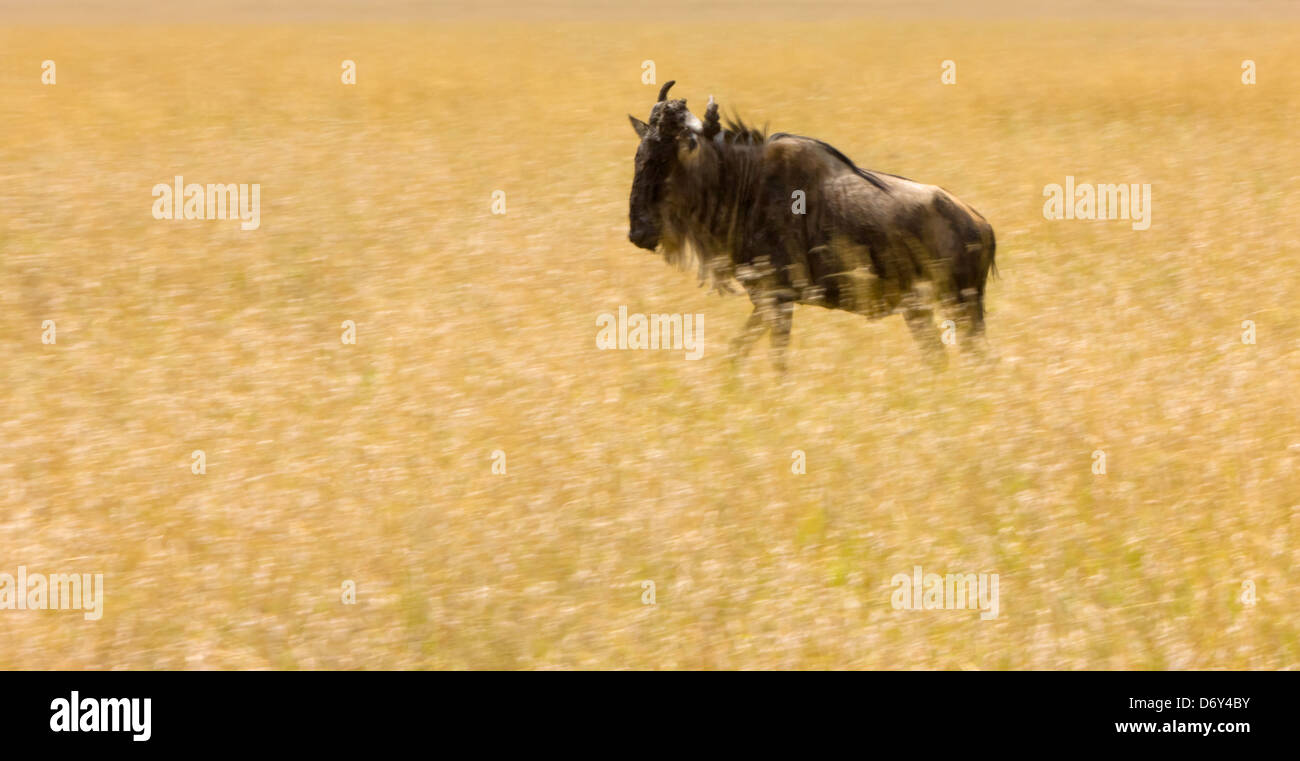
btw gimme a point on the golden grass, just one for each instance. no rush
(476, 332)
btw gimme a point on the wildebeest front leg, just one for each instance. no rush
(773, 311)
(779, 320)
(754, 328)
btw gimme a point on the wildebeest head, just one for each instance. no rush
(671, 134)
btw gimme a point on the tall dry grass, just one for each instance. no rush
(371, 462)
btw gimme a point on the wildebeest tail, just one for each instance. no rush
(992, 249)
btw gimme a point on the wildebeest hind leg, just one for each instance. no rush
(971, 319)
(920, 319)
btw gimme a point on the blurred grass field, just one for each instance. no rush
(371, 462)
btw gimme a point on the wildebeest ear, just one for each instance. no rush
(638, 125)
(712, 125)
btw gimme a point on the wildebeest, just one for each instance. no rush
(796, 221)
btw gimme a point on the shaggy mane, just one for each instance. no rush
(736, 132)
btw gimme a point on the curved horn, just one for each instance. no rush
(663, 91)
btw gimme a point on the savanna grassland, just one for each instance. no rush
(372, 462)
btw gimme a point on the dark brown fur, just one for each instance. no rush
(722, 200)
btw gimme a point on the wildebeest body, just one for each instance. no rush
(857, 240)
